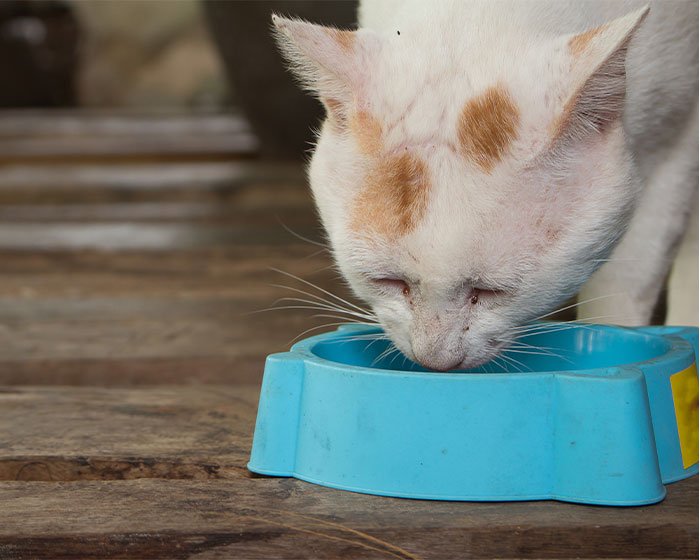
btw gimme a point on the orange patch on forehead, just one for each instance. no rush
(578, 43)
(394, 198)
(367, 131)
(487, 125)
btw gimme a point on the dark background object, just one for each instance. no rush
(281, 114)
(38, 54)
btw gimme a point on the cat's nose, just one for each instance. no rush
(437, 349)
(438, 361)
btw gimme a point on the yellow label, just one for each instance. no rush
(684, 386)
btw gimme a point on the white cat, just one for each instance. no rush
(481, 160)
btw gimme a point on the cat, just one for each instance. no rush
(481, 160)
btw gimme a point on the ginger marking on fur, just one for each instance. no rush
(487, 125)
(565, 119)
(367, 131)
(346, 39)
(394, 198)
(579, 43)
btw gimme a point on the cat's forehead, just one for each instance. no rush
(403, 172)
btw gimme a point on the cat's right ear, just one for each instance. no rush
(329, 62)
(597, 80)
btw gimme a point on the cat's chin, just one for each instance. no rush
(466, 363)
(469, 363)
(492, 352)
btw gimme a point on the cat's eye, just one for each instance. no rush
(484, 294)
(393, 284)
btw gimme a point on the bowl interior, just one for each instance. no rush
(581, 347)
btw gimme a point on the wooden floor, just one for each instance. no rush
(130, 366)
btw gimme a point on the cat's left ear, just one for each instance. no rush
(329, 62)
(597, 79)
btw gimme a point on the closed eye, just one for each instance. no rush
(392, 285)
(486, 295)
(490, 292)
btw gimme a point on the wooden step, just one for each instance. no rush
(160, 473)
(267, 518)
(137, 274)
(65, 434)
(80, 135)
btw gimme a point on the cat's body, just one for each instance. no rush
(482, 159)
(660, 117)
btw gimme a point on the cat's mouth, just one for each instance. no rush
(493, 350)
(467, 362)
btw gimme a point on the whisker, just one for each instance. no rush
(310, 284)
(299, 236)
(287, 307)
(515, 362)
(399, 353)
(550, 330)
(386, 353)
(346, 339)
(366, 348)
(297, 337)
(492, 369)
(527, 352)
(577, 304)
(327, 315)
(525, 345)
(554, 324)
(316, 254)
(316, 296)
(324, 268)
(323, 307)
(521, 344)
(497, 360)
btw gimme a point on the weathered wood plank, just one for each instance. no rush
(83, 438)
(131, 319)
(89, 122)
(284, 518)
(146, 281)
(54, 434)
(253, 183)
(43, 236)
(51, 136)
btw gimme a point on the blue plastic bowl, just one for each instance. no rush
(607, 420)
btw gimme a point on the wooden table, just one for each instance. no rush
(130, 369)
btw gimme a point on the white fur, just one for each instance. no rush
(480, 230)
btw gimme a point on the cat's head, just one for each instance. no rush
(465, 193)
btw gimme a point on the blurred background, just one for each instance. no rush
(151, 174)
(157, 57)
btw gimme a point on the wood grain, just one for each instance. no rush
(144, 274)
(63, 434)
(130, 366)
(80, 135)
(284, 518)
(147, 440)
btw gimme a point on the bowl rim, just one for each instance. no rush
(675, 347)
